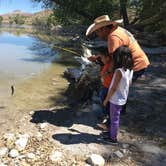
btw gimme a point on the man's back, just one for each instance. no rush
(121, 36)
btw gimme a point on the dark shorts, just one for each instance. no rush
(138, 74)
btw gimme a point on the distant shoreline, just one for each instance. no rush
(15, 26)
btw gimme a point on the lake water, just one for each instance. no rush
(22, 57)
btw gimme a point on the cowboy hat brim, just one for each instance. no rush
(95, 26)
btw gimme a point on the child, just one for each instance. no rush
(106, 77)
(119, 88)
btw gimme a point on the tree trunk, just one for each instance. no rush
(123, 12)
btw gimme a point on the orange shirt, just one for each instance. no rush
(106, 75)
(120, 37)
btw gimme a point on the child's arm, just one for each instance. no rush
(118, 76)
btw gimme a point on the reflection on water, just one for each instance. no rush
(24, 56)
(21, 56)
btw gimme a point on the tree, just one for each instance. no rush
(19, 19)
(1, 19)
(11, 20)
(82, 11)
(123, 11)
(152, 14)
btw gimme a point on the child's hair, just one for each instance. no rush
(102, 51)
(122, 58)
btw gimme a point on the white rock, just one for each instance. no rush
(118, 154)
(21, 143)
(2, 164)
(123, 151)
(125, 146)
(56, 156)
(43, 126)
(96, 160)
(31, 155)
(13, 153)
(31, 112)
(9, 136)
(3, 151)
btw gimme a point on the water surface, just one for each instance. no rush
(21, 56)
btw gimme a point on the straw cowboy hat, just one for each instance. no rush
(100, 22)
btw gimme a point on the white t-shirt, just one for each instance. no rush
(120, 95)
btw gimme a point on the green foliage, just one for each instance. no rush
(44, 22)
(1, 19)
(152, 14)
(19, 19)
(11, 20)
(82, 11)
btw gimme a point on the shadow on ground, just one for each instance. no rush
(145, 115)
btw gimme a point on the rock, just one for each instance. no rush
(96, 160)
(13, 153)
(118, 154)
(124, 151)
(3, 151)
(73, 73)
(125, 146)
(56, 156)
(9, 136)
(31, 112)
(43, 126)
(22, 142)
(31, 155)
(2, 164)
(39, 136)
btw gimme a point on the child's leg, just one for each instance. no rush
(114, 117)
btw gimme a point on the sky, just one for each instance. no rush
(7, 6)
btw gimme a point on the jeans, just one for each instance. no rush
(102, 95)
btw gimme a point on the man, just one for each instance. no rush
(117, 36)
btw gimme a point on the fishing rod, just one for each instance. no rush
(67, 50)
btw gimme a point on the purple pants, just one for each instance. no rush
(114, 117)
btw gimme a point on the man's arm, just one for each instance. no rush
(113, 43)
